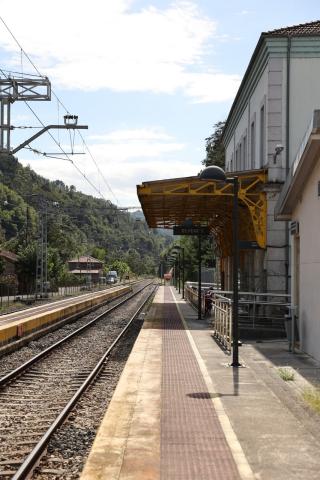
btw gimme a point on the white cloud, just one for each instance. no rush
(133, 135)
(127, 145)
(205, 88)
(110, 45)
(154, 158)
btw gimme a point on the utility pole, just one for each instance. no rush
(42, 253)
(15, 89)
(199, 278)
(27, 225)
(179, 270)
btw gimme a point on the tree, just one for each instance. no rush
(99, 253)
(26, 266)
(77, 223)
(120, 267)
(214, 147)
(56, 266)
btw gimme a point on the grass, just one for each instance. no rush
(286, 374)
(312, 397)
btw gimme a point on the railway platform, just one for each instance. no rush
(181, 412)
(23, 324)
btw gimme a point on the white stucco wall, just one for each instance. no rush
(251, 112)
(271, 88)
(268, 266)
(307, 212)
(276, 119)
(304, 98)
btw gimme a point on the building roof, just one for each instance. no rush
(303, 29)
(85, 259)
(9, 255)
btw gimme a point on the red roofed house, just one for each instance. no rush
(88, 266)
(9, 261)
(8, 276)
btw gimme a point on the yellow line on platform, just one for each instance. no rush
(127, 445)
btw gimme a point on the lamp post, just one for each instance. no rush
(181, 265)
(216, 173)
(199, 278)
(182, 249)
(176, 251)
(179, 271)
(171, 261)
(176, 266)
(161, 271)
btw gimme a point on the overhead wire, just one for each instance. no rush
(66, 155)
(67, 111)
(61, 148)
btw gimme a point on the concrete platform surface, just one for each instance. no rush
(181, 412)
(21, 324)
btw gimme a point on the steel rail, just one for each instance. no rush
(14, 373)
(59, 302)
(33, 458)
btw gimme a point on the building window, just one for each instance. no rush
(240, 157)
(252, 144)
(237, 160)
(244, 152)
(262, 136)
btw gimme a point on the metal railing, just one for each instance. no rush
(222, 320)
(191, 293)
(257, 310)
(221, 312)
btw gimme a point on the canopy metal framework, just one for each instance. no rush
(167, 203)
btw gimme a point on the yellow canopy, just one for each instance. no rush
(166, 203)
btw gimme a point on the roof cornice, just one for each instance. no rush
(260, 50)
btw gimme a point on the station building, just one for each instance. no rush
(299, 202)
(264, 130)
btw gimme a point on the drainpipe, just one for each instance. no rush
(287, 173)
(287, 157)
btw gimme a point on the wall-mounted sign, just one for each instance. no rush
(191, 230)
(294, 228)
(249, 245)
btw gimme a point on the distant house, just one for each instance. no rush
(9, 260)
(86, 266)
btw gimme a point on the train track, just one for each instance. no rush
(37, 397)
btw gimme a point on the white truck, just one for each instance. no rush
(112, 276)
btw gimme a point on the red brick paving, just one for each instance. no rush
(193, 445)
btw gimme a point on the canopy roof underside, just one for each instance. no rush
(167, 203)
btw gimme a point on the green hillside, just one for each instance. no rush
(77, 224)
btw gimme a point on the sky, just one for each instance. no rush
(149, 78)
